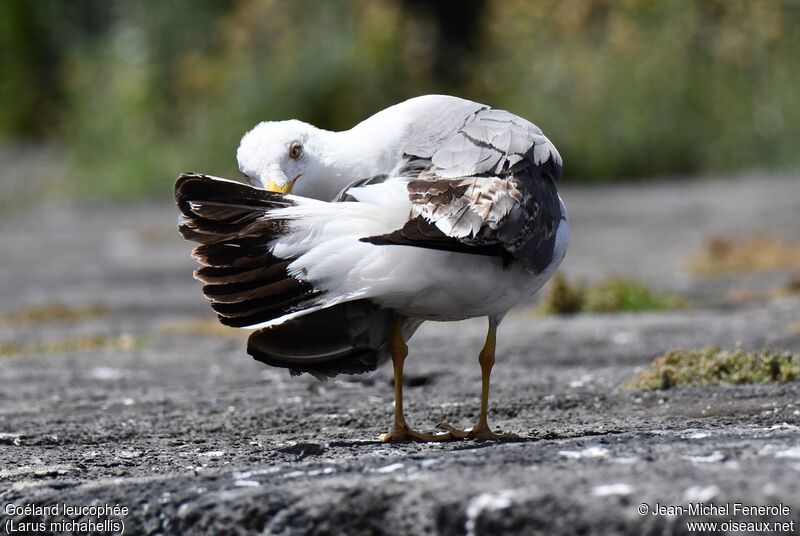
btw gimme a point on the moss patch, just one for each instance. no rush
(723, 255)
(613, 295)
(712, 366)
(53, 312)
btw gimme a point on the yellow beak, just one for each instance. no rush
(285, 189)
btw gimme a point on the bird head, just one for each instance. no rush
(277, 154)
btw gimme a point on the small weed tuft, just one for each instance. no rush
(53, 312)
(86, 343)
(722, 255)
(613, 295)
(712, 366)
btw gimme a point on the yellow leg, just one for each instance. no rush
(486, 360)
(400, 429)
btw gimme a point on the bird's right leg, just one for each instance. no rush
(486, 359)
(400, 429)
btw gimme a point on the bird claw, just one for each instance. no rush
(482, 433)
(457, 433)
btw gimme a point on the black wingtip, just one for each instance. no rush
(230, 220)
(197, 187)
(183, 180)
(554, 168)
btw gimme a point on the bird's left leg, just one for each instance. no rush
(486, 360)
(400, 429)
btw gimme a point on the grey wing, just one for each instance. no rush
(493, 142)
(439, 119)
(488, 189)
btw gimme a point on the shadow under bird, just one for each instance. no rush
(437, 208)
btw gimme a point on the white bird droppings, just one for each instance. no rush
(389, 468)
(714, 457)
(618, 488)
(792, 452)
(590, 452)
(246, 483)
(700, 493)
(622, 338)
(106, 373)
(485, 501)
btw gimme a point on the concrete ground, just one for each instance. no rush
(145, 404)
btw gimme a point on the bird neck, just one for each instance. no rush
(343, 157)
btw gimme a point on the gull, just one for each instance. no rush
(343, 243)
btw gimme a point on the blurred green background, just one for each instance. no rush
(135, 92)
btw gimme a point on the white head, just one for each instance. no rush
(277, 154)
(293, 156)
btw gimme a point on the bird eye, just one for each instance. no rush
(295, 151)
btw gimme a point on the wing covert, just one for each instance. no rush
(488, 189)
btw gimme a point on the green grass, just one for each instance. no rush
(614, 295)
(713, 366)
